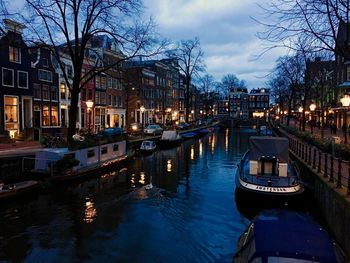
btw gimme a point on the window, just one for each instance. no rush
(46, 116)
(45, 75)
(97, 97)
(37, 91)
(103, 98)
(348, 73)
(110, 100)
(53, 93)
(103, 82)
(11, 109)
(116, 147)
(90, 153)
(15, 54)
(63, 91)
(45, 62)
(7, 77)
(22, 79)
(46, 92)
(109, 83)
(69, 71)
(104, 150)
(90, 94)
(54, 116)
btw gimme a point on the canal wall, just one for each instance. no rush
(333, 202)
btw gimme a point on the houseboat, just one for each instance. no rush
(286, 236)
(64, 164)
(266, 171)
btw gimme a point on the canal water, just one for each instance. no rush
(175, 205)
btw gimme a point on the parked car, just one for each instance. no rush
(114, 131)
(135, 128)
(183, 126)
(153, 129)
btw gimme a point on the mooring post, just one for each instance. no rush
(339, 173)
(331, 177)
(325, 164)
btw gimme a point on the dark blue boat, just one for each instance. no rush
(189, 135)
(286, 236)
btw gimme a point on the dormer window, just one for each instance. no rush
(45, 62)
(14, 54)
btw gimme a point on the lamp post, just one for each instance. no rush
(300, 109)
(312, 109)
(142, 110)
(345, 101)
(89, 105)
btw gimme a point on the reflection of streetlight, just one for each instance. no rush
(312, 109)
(89, 105)
(345, 101)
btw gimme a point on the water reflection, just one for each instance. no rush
(174, 202)
(90, 211)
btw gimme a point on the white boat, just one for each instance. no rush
(84, 160)
(266, 171)
(15, 189)
(169, 139)
(148, 147)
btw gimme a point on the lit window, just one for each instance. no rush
(15, 54)
(63, 91)
(11, 109)
(54, 116)
(46, 116)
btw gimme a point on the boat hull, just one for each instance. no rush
(14, 190)
(167, 144)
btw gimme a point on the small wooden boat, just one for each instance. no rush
(15, 189)
(189, 135)
(169, 139)
(148, 147)
(286, 236)
(266, 172)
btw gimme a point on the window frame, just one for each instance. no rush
(13, 77)
(18, 73)
(19, 54)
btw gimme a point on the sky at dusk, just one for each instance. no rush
(226, 31)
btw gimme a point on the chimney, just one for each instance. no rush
(13, 26)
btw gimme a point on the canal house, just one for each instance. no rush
(16, 93)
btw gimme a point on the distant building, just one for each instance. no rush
(238, 103)
(259, 101)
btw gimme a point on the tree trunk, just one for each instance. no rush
(73, 112)
(187, 99)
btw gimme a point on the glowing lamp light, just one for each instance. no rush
(312, 107)
(345, 101)
(142, 109)
(300, 109)
(89, 104)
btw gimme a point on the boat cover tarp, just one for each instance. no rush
(269, 146)
(170, 135)
(291, 234)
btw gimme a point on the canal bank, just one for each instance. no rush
(323, 177)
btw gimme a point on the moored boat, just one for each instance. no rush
(266, 171)
(148, 147)
(169, 139)
(189, 135)
(286, 236)
(63, 164)
(15, 189)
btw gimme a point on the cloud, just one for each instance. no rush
(226, 31)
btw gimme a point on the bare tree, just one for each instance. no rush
(189, 55)
(230, 81)
(206, 85)
(323, 23)
(71, 25)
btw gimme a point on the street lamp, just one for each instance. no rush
(312, 109)
(89, 105)
(142, 109)
(300, 110)
(345, 101)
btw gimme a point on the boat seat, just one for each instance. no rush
(282, 169)
(253, 167)
(268, 165)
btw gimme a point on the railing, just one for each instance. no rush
(334, 169)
